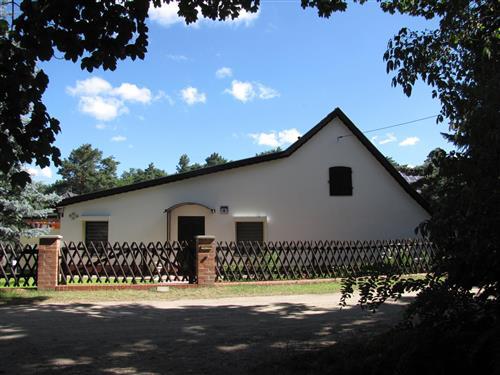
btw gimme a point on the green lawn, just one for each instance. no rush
(22, 283)
(31, 295)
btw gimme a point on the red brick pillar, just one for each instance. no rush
(205, 260)
(48, 262)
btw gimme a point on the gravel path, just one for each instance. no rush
(218, 336)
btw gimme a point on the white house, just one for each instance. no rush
(332, 184)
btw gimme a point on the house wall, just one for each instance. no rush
(290, 195)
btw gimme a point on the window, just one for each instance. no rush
(96, 231)
(250, 231)
(340, 181)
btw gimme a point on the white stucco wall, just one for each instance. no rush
(291, 195)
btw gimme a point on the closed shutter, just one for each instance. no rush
(340, 181)
(96, 231)
(250, 231)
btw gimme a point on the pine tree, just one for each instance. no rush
(214, 159)
(17, 204)
(86, 171)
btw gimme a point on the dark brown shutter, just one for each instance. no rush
(96, 231)
(340, 181)
(250, 231)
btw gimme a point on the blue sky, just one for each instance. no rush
(242, 87)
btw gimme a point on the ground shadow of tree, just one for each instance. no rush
(150, 339)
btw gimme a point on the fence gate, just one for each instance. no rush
(18, 265)
(103, 262)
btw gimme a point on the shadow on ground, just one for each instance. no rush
(169, 338)
(8, 298)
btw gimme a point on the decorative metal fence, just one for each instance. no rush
(261, 261)
(103, 262)
(18, 265)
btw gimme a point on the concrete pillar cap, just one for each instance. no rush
(205, 237)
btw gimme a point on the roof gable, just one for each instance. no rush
(336, 113)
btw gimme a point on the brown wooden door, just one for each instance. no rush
(187, 228)
(190, 226)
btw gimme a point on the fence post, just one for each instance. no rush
(48, 262)
(205, 260)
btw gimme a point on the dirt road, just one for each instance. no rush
(218, 336)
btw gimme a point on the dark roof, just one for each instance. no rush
(336, 113)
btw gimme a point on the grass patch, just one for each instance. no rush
(29, 295)
(23, 282)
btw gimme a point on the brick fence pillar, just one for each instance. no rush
(205, 260)
(48, 262)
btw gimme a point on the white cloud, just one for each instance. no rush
(245, 18)
(167, 15)
(104, 109)
(389, 137)
(247, 91)
(90, 87)
(266, 139)
(276, 139)
(191, 95)
(132, 93)
(45, 172)
(100, 126)
(266, 92)
(288, 136)
(242, 91)
(96, 86)
(410, 141)
(224, 72)
(99, 99)
(177, 58)
(163, 95)
(118, 138)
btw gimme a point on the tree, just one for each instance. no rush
(183, 165)
(97, 34)
(133, 175)
(17, 204)
(393, 162)
(214, 159)
(272, 151)
(429, 181)
(27, 132)
(86, 171)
